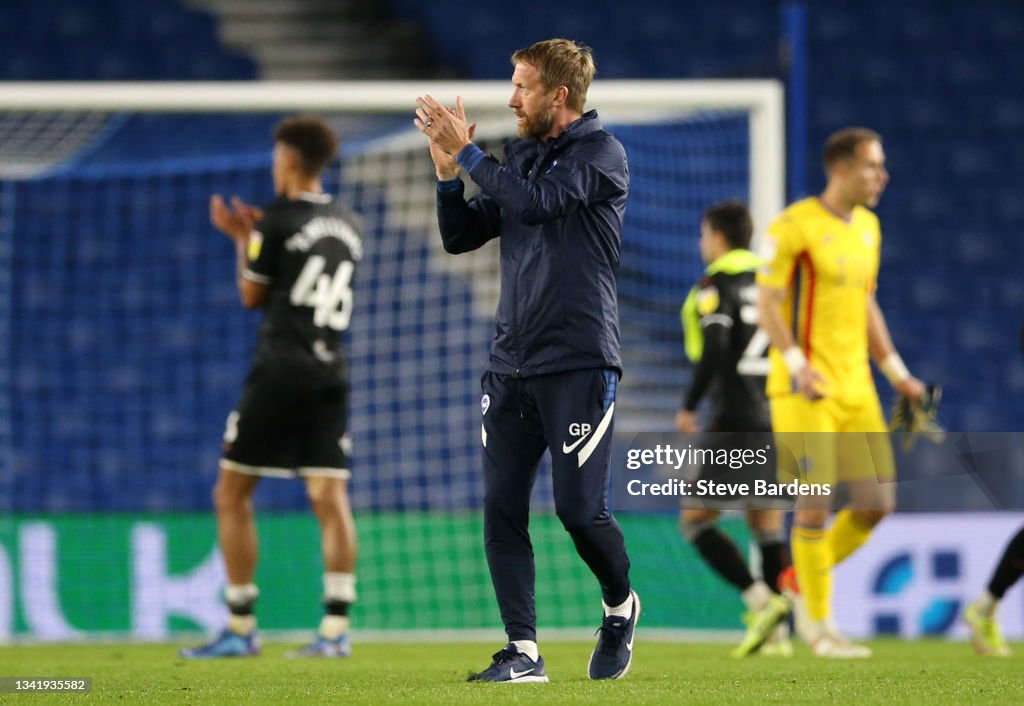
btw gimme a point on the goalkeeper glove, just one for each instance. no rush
(916, 421)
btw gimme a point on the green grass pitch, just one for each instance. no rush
(921, 672)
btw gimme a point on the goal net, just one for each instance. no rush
(124, 350)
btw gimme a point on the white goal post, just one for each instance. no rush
(763, 99)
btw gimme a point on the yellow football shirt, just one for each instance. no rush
(828, 267)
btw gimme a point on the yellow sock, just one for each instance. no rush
(846, 535)
(812, 559)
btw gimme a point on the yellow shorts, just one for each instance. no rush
(830, 440)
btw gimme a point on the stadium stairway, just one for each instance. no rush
(322, 39)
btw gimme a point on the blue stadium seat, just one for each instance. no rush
(21, 63)
(970, 69)
(112, 40)
(834, 22)
(1008, 207)
(96, 59)
(1006, 114)
(438, 20)
(926, 112)
(921, 25)
(617, 63)
(206, 64)
(490, 61)
(973, 159)
(72, 21)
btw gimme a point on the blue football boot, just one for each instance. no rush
(324, 647)
(227, 644)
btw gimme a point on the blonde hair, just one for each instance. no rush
(561, 62)
(843, 144)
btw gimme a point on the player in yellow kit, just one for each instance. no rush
(816, 300)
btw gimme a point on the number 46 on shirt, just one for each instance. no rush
(329, 296)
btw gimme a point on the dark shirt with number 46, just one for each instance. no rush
(305, 251)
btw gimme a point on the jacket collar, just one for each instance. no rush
(583, 125)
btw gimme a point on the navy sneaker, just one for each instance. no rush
(227, 644)
(324, 647)
(614, 651)
(512, 666)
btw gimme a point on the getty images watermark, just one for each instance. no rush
(721, 465)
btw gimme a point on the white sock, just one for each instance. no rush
(819, 629)
(987, 604)
(829, 628)
(528, 648)
(756, 595)
(241, 593)
(333, 626)
(625, 610)
(339, 586)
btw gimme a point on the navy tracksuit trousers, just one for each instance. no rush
(570, 414)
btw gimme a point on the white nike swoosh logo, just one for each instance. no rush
(566, 449)
(636, 617)
(513, 674)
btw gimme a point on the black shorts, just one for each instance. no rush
(289, 424)
(726, 477)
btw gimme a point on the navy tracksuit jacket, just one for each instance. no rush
(558, 208)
